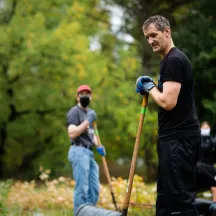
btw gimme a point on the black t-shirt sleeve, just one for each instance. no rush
(174, 70)
(72, 117)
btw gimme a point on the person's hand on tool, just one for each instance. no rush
(144, 84)
(91, 116)
(101, 150)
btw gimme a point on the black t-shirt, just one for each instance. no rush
(182, 120)
(76, 116)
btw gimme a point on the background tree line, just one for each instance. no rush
(46, 53)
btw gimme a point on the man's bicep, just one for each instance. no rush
(71, 128)
(72, 118)
(171, 90)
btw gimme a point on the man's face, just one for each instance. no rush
(158, 40)
(205, 126)
(205, 129)
(83, 93)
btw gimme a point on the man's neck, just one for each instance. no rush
(84, 108)
(168, 48)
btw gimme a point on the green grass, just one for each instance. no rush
(48, 212)
(58, 212)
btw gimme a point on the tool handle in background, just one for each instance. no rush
(105, 166)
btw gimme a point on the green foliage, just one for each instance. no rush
(4, 190)
(197, 39)
(45, 55)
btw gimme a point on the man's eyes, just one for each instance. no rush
(84, 95)
(152, 36)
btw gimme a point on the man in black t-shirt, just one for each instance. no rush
(81, 155)
(179, 130)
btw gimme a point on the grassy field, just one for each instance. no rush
(48, 212)
(55, 197)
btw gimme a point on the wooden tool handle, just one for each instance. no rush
(134, 158)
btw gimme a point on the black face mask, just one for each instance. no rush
(84, 100)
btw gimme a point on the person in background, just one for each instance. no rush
(179, 130)
(206, 173)
(81, 155)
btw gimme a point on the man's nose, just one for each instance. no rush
(150, 41)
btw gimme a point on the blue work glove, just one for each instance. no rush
(101, 150)
(144, 84)
(91, 116)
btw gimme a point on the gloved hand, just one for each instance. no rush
(144, 84)
(101, 150)
(91, 116)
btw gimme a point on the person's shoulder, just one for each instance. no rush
(177, 54)
(72, 110)
(90, 109)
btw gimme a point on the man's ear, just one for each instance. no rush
(167, 31)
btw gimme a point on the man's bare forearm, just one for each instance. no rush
(156, 96)
(75, 131)
(161, 99)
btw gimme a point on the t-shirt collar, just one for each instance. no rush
(168, 54)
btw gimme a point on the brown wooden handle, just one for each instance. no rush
(105, 166)
(134, 158)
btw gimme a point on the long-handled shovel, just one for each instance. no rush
(105, 166)
(134, 158)
(91, 210)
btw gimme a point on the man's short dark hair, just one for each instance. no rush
(160, 22)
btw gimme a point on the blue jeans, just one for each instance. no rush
(86, 174)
